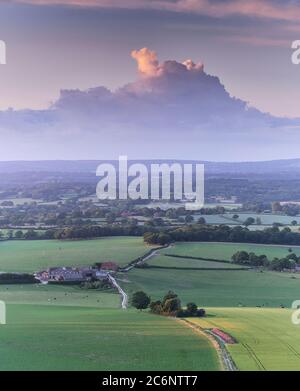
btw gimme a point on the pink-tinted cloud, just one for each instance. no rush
(148, 64)
(147, 61)
(289, 11)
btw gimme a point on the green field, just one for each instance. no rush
(226, 288)
(33, 255)
(224, 251)
(217, 219)
(56, 327)
(78, 338)
(217, 288)
(266, 219)
(172, 262)
(68, 295)
(267, 339)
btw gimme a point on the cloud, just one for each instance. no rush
(270, 9)
(173, 110)
(147, 61)
(148, 64)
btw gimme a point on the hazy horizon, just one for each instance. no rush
(157, 80)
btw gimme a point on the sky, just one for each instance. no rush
(55, 45)
(52, 47)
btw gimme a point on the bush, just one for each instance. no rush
(140, 300)
(171, 306)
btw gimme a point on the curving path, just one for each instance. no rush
(122, 293)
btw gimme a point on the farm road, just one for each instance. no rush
(122, 293)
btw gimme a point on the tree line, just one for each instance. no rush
(170, 305)
(223, 233)
(288, 262)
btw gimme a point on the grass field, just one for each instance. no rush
(225, 251)
(217, 219)
(267, 339)
(78, 338)
(33, 255)
(67, 295)
(167, 261)
(268, 219)
(67, 328)
(217, 288)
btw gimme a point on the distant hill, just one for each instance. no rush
(273, 167)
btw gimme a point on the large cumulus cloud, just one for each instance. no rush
(173, 109)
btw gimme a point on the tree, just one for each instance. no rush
(171, 303)
(292, 256)
(140, 300)
(19, 235)
(172, 306)
(201, 312)
(240, 257)
(201, 220)
(169, 295)
(249, 221)
(191, 309)
(155, 307)
(171, 214)
(235, 217)
(189, 218)
(164, 239)
(294, 222)
(31, 234)
(150, 237)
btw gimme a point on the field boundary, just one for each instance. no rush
(196, 268)
(197, 258)
(240, 243)
(149, 254)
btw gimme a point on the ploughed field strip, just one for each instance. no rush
(265, 338)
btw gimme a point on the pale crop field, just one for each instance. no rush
(267, 339)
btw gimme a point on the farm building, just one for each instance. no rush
(70, 274)
(111, 266)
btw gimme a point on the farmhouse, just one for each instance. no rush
(70, 274)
